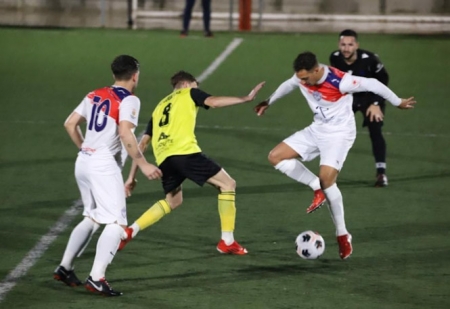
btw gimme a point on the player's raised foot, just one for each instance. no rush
(318, 200)
(124, 242)
(345, 245)
(382, 181)
(234, 248)
(66, 276)
(100, 287)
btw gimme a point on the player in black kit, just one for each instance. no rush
(349, 58)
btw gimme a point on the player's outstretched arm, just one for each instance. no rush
(72, 126)
(215, 101)
(352, 84)
(407, 103)
(131, 181)
(252, 95)
(285, 88)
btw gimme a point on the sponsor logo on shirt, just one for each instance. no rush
(163, 136)
(87, 151)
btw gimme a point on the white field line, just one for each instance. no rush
(218, 61)
(63, 222)
(34, 254)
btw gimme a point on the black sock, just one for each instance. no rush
(378, 146)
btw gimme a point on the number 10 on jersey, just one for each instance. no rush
(99, 114)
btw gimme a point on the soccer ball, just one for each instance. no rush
(310, 245)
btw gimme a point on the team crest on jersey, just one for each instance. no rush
(317, 95)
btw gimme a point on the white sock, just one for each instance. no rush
(96, 226)
(107, 246)
(380, 165)
(78, 239)
(297, 171)
(135, 228)
(336, 207)
(228, 238)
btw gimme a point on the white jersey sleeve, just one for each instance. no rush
(81, 108)
(129, 109)
(285, 88)
(352, 84)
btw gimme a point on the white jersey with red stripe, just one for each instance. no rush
(103, 110)
(330, 99)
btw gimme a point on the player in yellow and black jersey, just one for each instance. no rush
(179, 157)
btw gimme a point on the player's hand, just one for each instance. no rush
(374, 113)
(260, 109)
(150, 171)
(130, 184)
(407, 103)
(251, 96)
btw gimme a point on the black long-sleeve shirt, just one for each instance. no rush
(367, 65)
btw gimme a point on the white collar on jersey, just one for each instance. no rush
(115, 86)
(325, 73)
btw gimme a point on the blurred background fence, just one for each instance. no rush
(417, 16)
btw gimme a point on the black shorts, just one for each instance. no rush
(362, 105)
(196, 167)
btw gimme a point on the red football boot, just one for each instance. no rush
(234, 248)
(345, 245)
(318, 200)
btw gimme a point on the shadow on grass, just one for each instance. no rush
(210, 276)
(279, 188)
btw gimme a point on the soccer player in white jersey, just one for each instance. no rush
(331, 135)
(111, 115)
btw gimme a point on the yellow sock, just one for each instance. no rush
(153, 214)
(227, 210)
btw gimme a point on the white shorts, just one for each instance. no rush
(102, 190)
(332, 147)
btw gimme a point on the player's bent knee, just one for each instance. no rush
(273, 158)
(285, 166)
(230, 185)
(326, 182)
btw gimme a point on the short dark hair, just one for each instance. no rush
(182, 76)
(349, 32)
(305, 61)
(124, 66)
